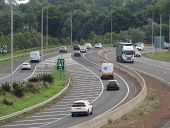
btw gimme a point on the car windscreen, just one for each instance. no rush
(107, 68)
(78, 105)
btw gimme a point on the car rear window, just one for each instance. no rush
(25, 64)
(79, 105)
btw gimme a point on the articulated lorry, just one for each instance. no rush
(125, 52)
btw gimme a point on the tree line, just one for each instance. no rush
(91, 21)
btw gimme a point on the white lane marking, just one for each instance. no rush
(120, 78)
(92, 101)
(36, 120)
(52, 109)
(46, 116)
(31, 73)
(144, 72)
(21, 64)
(24, 124)
(51, 112)
(78, 98)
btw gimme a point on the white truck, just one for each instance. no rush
(35, 56)
(125, 52)
(107, 71)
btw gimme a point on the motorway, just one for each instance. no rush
(158, 69)
(86, 85)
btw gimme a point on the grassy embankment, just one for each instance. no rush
(162, 56)
(31, 99)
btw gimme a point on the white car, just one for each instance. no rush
(88, 45)
(25, 66)
(137, 53)
(98, 45)
(81, 107)
(139, 46)
(83, 49)
(63, 49)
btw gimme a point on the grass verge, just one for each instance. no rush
(31, 99)
(163, 56)
(149, 104)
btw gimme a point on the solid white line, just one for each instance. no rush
(36, 120)
(46, 116)
(24, 124)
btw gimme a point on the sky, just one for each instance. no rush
(19, 1)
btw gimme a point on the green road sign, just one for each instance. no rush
(60, 65)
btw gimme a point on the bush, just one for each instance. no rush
(6, 87)
(33, 87)
(18, 89)
(7, 102)
(46, 78)
(33, 79)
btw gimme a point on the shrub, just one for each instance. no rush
(33, 79)
(19, 91)
(6, 87)
(7, 102)
(47, 78)
(33, 87)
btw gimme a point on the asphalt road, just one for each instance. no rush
(86, 85)
(18, 74)
(158, 69)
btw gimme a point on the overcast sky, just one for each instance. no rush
(19, 1)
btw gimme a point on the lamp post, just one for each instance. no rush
(42, 41)
(160, 30)
(152, 32)
(169, 33)
(47, 27)
(12, 41)
(71, 35)
(111, 26)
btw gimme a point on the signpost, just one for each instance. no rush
(60, 66)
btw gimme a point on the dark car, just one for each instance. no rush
(112, 85)
(76, 47)
(77, 53)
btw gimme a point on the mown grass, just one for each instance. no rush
(163, 56)
(31, 99)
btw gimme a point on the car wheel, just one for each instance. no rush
(72, 114)
(91, 111)
(112, 77)
(87, 113)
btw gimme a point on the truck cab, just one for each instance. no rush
(107, 70)
(125, 52)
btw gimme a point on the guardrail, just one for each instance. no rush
(36, 106)
(103, 119)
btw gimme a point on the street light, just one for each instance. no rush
(12, 41)
(160, 30)
(42, 41)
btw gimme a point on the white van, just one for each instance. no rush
(35, 56)
(107, 71)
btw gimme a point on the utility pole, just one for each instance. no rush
(152, 31)
(12, 41)
(160, 30)
(111, 25)
(71, 26)
(42, 41)
(169, 34)
(47, 27)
